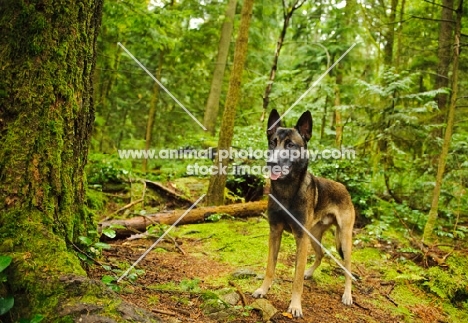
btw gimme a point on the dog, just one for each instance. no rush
(316, 203)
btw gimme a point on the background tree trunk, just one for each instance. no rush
(48, 59)
(152, 109)
(337, 103)
(217, 184)
(444, 54)
(390, 35)
(212, 105)
(432, 217)
(400, 36)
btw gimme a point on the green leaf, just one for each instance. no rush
(102, 245)
(108, 232)
(87, 241)
(35, 319)
(106, 279)
(6, 304)
(4, 262)
(82, 257)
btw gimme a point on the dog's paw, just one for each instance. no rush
(347, 299)
(308, 274)
(259, 293)
(295, 310)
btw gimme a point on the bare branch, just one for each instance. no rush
(440, 5)
(298, 4)
(432, 19)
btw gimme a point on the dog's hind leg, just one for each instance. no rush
(274, 243)
(317, 232)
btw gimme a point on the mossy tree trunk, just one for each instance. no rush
(152, 110)
(217, 184)
(444, 55)
(338, 117)
(433, 212)
(212, 105)
(390, 35)
(47, 62)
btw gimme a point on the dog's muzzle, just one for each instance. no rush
(273, 165)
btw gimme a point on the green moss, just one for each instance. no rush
(456, 314)
(95, 200)
(367, 256)
(238, 243)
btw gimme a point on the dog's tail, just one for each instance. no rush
(338, 242)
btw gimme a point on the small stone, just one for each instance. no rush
(214, 306)
(265, 307)
(231, 298)
(223, 315)
(244, 273)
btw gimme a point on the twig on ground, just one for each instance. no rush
(155, 310)
(181, 311)
(177, 245)
(206, 238)
(239, 291)
(361, 306)
(88, 256)
(129, 205)
(391, 300)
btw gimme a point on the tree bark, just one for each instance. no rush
(390, 35)
(444, 54)
(432, 217)
(324, 119)
(217, 184)
(399, 36)
(212, 105)
(152, 110)
(338, 119)
(104, 107)
(140, 223)
(46, 117)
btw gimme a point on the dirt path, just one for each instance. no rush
(177, 284)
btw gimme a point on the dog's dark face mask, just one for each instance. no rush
(287, 147)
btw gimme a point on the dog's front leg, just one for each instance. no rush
(295, 308)
(274, 242)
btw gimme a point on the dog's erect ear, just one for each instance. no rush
(304, 125)
(273, 122)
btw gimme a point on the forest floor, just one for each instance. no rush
(207, 272)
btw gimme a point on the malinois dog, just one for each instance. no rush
(317, 203)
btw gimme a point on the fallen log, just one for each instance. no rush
(139, 224)
(168, 193)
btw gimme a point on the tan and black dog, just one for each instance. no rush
(317, 203)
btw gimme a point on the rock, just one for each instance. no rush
(232, 298)
(223, 315)
(172, 320)
(244, 273)
(86, 318)
(265, 307)
(214, 306)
